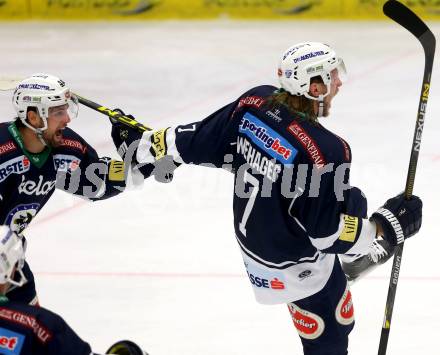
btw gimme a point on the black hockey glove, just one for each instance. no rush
(125, 138)
(399, 218)
(125, 347)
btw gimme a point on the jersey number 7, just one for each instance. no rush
(253, 181)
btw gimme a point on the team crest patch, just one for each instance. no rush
(309, 325)
(21, 216)
(123, 133)
(267, 139)
(344, 310)
(11, 343)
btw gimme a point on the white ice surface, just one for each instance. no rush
(160, 265)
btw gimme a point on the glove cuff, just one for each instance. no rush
(393, 231)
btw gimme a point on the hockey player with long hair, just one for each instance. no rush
(294, 209)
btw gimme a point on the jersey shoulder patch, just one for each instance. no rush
(255, 98)
(73, 142)
(27, 317)
(7, 147)
(308, 143)
(7, 143)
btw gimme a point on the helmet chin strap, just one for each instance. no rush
(38, 131)
(40, 137)
(320, 100)
(17, 283)
(320, 105)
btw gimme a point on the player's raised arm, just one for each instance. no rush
(211, 142)
(81, 171)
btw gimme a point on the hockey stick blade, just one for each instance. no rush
(9, 83)
(407, 19)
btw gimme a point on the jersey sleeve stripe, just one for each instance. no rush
(354, 236)
(365, 239)
(327, 242)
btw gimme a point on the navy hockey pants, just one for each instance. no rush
(325, 319)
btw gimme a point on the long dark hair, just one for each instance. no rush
(300, 106)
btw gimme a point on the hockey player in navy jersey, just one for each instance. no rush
(39, 153)
(31, 330)
(294, 209)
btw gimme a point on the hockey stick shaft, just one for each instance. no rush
(128, 121)
(412, 23)
(10, 83)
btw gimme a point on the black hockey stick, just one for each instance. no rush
(130, 122)
(9, 83)
(406, 18)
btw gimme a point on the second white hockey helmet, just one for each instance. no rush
(304, 61)
(12, 256)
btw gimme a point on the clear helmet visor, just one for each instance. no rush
(73, 107)
(341, 70)
(70, 109)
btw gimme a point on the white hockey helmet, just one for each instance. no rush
(42, 91)
(304, 61)
(12, 255)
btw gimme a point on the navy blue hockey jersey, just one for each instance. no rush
(30, 330)
(293, 206)
(74, 166)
